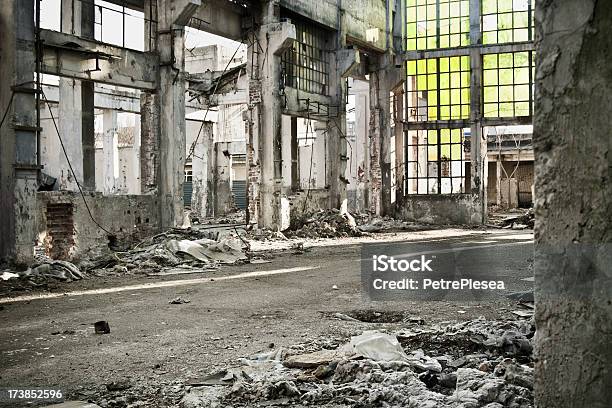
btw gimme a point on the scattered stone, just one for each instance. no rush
(102, 327)
(120, 385)
(179, 301)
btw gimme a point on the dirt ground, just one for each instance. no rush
(47, 338)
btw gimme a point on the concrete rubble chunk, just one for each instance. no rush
(313, 360)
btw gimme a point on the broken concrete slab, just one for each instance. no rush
(313, 360)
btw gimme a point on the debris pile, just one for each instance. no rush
(332, 223)
(40, 274)
(523, 220)
(472, 364)
(190, 248)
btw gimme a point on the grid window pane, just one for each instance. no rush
(435, 161)
(507, 85)
(505, 21)
(437, 24)
(306, 64)
(439, 89)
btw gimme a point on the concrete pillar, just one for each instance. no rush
(76, 106)
(149, 112)
(109, 148)
(336, 144)
(382, 82)
(203, 169)
(478, 148)
(320, 160)
(223, 201)
(573, 188)
(149, 142)
(18, 164)
(274, 37)
(361, 155)
(398, 132)
(172, 17)
(286, 154)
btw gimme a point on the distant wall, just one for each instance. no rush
(67, 232)
(439, 209)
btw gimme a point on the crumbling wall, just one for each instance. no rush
(62, 215)
(439, 209)
(306, 203)
(572, 145)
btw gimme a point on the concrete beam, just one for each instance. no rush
(74, 57)
(219, 17)
(347, 60)
(183, 10)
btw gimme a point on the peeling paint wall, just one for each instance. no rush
(573, 186)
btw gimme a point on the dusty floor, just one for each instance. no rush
(158, 343)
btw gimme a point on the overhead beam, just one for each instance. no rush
(219, 17)
(70, 56)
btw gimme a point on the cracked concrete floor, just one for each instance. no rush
(235, 315)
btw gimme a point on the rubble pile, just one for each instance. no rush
(473, 364)
(190, 248)
(332, 223)
(520, 221)
(40, 274)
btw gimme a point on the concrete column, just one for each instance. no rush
(320, 161)
(336, 146)
(573, 189)
(109, 147)
(398, 132)
(274, 37)
(478, 149)
(70, 129)
(223, 201)
(361, 155)
(172, 17)
(88, 138)
(203, 169)
(294, 155)
(382, 81)
(149, 112)
(18, 164)
(149, 142)
(76, 106)
(286, 131)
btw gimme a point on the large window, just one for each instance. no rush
(306, 65)
(507, 89)
(439, 89)
(437, 24)
(435, 161)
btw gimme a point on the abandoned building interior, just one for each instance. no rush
(125, 119)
